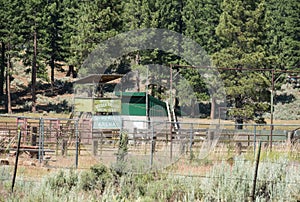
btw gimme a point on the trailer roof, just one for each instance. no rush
(98, 78)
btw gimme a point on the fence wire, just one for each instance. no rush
(54, 143)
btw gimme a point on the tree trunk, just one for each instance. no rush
(213, 108)
(193, 102)
(137, 81)
(239, 120)
(239, 123)
(52, 65)
(71, 71)
(33, 72)
(2, 69)
(137, 62)
(8, 97)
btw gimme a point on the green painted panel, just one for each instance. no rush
(157, 107)
(107, 105)
(133, 109)
(134, 104)
(83, 105)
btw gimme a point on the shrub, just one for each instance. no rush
(98, 177)
(276, 181)
(63, 181)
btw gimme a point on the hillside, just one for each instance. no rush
(287, 103)
(56, 102)
(287, 99)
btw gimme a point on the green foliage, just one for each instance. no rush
(63, 182)
(196, 82)
(282, 41)
(241, 28)
(277, 180)
(121, 165)
(200, 19)
(238, 34)
(226, 183)
(5, 182)
(135, 185)
(287, 102)
(96, 22)
(156, 187)
(138, 14)
(123, 146)
(98, 178)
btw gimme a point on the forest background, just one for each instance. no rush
(237, 34)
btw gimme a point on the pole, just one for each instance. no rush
(272, 110)
(171, 86)
(40, 140)
(191, 141)
(43, 138)
(147, 99)
(255, 172)
(219, 115)
(17, 158)
(77, 144)
(152, 146)
(254, 141)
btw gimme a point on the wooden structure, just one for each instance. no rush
(108, 109)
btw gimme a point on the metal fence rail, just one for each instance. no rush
(74, 141)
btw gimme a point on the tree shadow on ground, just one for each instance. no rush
(61, 107)
(21, 99)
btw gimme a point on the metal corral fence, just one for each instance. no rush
(150, 145)
(45, 138)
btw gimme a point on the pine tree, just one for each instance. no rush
(201, 18)
(241, 28)
(4, 28)
(32, 29)
(169, 16)
(10, 45)
(283, 35)
(96, 22)
(54, 36)
(137, 14)
(70, 16)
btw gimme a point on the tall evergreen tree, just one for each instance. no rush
(283, 34)
(70, 15)
(97, 21)
(241, 27)
(33, 32)
(137, 14)
(201, 18)
(3, 38)
(9, 44)
(169, 16)
(54, 36)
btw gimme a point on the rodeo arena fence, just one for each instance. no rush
(73, 143)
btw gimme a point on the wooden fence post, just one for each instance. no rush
(64, 148)
(211, 135)
(134, 136)
(33, 136)
(252, 197)
(95, 147)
